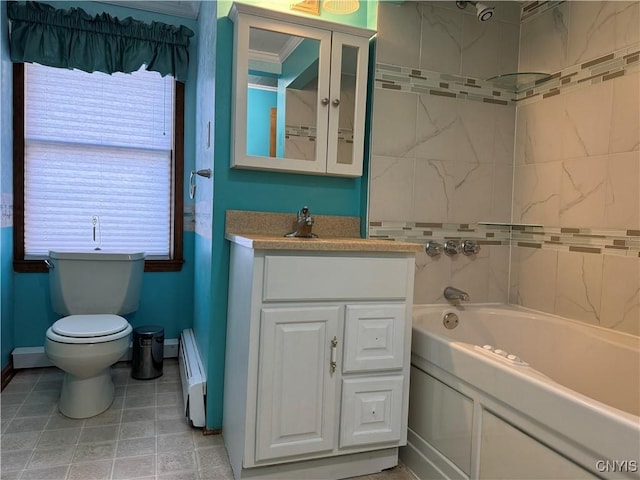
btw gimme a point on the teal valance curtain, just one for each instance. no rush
(72, 38)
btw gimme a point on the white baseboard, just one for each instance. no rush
(34, 357)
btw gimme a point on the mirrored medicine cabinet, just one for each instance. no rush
(299, 93)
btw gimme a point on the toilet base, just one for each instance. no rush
(86, 397)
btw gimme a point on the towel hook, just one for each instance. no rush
(206, 172)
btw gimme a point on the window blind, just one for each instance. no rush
(98, 161)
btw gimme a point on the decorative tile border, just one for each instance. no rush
(598, 70)
(583, 240)
(407, 79)
(625, 243)
(301, 131)
(422, 232)
(601, 69)
(306, 131)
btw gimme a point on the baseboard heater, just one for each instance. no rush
(34, 357)
(194, 381)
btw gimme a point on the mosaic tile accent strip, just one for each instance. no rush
(344, 134)
(625, 243)
(422, 232)
(407, 79)
(601, 69)
(302, 131)
(584, 240)
(532, 9)
(598, 70)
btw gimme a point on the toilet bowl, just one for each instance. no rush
(85, 347)
(91, 290)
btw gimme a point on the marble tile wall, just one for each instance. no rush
(577, 165)
(442, 144)
(572, 154)
(484, 275)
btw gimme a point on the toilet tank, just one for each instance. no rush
(95, 282)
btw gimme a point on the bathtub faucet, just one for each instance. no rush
(454, 295)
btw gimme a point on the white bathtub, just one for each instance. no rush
(567, 407)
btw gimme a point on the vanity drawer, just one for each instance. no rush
(374, 337)
(371, 410)
(300, 277)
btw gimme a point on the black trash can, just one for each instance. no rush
(148, 352)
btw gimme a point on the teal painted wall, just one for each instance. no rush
(252, 190)
(167, 297)
(259, 105)
(6, 230)
(202, 297)
(6, 295)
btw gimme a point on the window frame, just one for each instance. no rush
(22, 265)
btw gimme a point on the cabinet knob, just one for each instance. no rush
(324, 101)
(336, 102)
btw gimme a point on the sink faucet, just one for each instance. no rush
(455, 295)
(304, 224)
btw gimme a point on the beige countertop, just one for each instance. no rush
(265, 231)
(329, 244)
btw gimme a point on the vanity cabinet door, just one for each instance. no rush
(296, 385)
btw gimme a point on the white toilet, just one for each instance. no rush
(93, 289)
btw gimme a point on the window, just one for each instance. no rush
(98, 163)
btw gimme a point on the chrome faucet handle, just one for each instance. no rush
(305, 217)
(451, 247)
(433, 249)
(469, 247)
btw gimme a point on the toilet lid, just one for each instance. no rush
(82, 326)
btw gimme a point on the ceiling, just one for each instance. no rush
(178, 8)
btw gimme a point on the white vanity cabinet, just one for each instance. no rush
(299, 93)
(317, 361)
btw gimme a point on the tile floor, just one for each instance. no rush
(143, 435)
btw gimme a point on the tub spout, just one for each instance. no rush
(455, 295)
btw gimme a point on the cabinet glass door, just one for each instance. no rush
(347, 104)
(281, 119)
(282, 95)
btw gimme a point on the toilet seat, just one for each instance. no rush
(96, 328)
